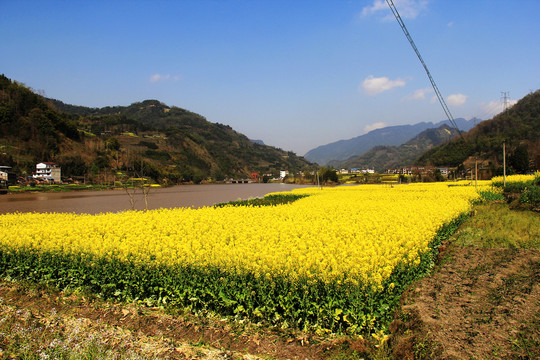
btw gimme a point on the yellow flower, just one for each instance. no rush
(351, 235)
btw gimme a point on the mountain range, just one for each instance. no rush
(390, 135)
(148, 138)
(384, 157)
(517, 130)
(173, 145)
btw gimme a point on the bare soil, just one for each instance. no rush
(479, 304)
(164, 336)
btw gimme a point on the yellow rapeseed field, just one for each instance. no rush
(514, 178)
(349, 234)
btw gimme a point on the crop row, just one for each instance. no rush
(334, 260)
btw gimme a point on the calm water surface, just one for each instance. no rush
(94, 202)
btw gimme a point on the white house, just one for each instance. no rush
(48, 171)
(283, 173)
(444, 171)
(4, 172)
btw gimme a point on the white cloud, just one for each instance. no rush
(419, 94)
(376, 125)
(456, 99)
(408, 9)
(511, 103)
(377, 6)
(159, 77)
(492, 108)
(374, 86)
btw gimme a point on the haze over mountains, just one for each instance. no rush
(391, 135)
(384, 157)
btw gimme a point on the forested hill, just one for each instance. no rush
(169, 144)
(381, 158)
(518, 127)
(148, 112)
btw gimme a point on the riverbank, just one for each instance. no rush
(16, 189)
(114, 200)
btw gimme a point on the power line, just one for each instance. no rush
(435, 88)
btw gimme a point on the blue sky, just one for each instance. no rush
(296, 74)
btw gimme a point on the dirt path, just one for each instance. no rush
(480, 304)
(53, 317)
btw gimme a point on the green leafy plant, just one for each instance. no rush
(268, 200)
(531, 195)
(304, 303)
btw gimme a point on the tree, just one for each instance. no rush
(519, 160)
(402, 179)
(112, 143)
(438, 176)
(73, 166)
(328, 175)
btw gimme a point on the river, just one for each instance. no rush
(94, 202)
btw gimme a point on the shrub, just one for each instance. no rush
(515, 187)
(148, 144)
(531, 195)
(491, 195)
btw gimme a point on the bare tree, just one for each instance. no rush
(146, 191)
(128, 186)
(137, 181)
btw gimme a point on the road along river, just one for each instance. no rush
(94, 202)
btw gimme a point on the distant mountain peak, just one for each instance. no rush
(394, 135)
(518, 128)
(385, 157)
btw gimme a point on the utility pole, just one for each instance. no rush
(505, 98)
(476, 173)
(504, 163)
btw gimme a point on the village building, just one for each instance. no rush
(7, 175)
(4, 172)
(419, 170)
(357, 171)
(48, 171)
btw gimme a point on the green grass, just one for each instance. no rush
(57, 188)
(525, 342)
(496, 226)
(268, 200)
